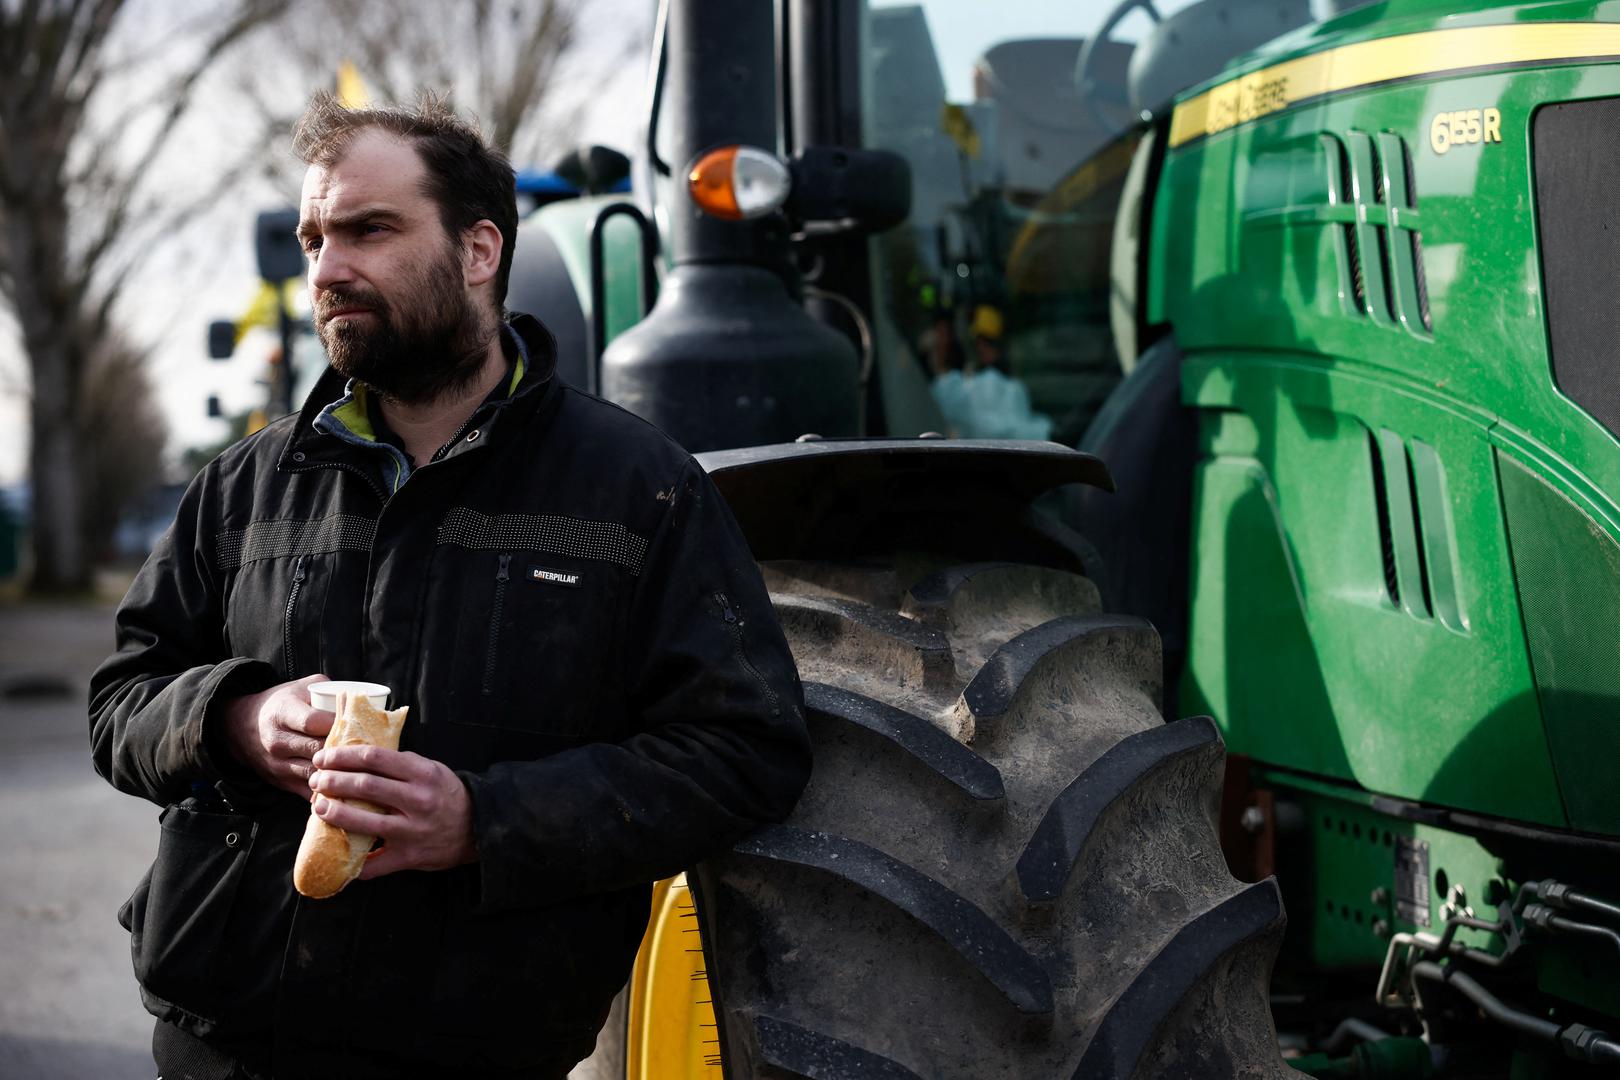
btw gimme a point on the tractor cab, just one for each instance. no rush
(994, 308)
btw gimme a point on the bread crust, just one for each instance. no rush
(328, 857)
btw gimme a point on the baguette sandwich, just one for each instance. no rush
(329, 858)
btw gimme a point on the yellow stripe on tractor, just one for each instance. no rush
(1368, 63)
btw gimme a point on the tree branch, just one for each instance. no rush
(251, 15)
(94, 36)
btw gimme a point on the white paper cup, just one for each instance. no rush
(323, 695)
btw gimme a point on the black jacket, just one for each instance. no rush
(577, 624)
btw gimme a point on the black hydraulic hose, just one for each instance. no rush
(1593, 904)
(1557, 894)
(1530, 890)
(1562, 896)
(1577, 1040)
(1546, 918)
(1488, 1003)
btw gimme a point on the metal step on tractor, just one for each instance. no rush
(1188, 471)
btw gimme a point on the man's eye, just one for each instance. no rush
(370, 228)
(312, 245)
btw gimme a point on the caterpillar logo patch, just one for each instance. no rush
(554, 577)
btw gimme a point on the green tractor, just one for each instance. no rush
(1188, 472)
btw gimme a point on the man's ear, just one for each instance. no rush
(481, 253)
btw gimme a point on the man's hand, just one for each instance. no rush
(427, 823)
(276, 733)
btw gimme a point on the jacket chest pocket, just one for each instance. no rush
(533, 644)
(276, 612)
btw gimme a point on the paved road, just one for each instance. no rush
(71, 850)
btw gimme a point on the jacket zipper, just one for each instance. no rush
(502, 576)
(442, 452)
(735, 622)
(292, 605)
(361, 473)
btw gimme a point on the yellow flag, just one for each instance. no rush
(955, 122)
(262, 311)
(351, 91)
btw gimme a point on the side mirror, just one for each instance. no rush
(221, 339)
(215, 410)
(859, 190)
(275, 242)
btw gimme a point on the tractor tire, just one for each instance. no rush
(1006, 863)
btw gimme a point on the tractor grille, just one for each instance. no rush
(1577, 156)
(1378, 244)
(1386, 537)
(1417, 538)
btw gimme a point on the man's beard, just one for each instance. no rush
(430, 345)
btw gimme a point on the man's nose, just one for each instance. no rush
(330, 267)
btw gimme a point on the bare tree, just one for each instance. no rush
(514, 64)
(122, 432)
(85, 117)
(76, 149)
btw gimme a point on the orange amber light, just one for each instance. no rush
(710, 182)
(738, 182)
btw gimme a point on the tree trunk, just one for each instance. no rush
(61, 563)
(46, 304)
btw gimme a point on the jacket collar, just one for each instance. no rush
(334, 426)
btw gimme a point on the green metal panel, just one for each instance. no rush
(1365, 875)
(569, 223)
(1357, 683)
(1255, 668)
(1354, 875)
(1370, 303)
(1569, 586)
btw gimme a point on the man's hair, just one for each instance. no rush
(469, 179)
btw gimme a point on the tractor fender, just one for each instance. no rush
(1142, 532)
(843, 498)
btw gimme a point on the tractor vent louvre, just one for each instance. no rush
(1372, 195)
(1386, 540)
(1416, 240)
(1356, 280)
(1422, 281)
(1417, 530)
(1349, 250)
(1411, 180)
(1389, 269)
(1416, 535)
(1346, 186)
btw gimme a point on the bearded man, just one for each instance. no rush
(599, 693)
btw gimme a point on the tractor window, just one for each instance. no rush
(1020, 136)
(997, 287)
